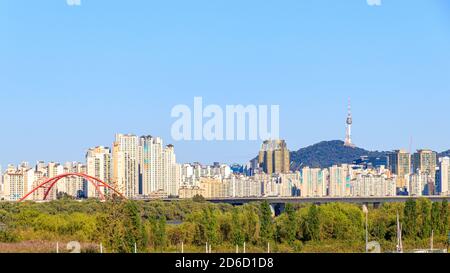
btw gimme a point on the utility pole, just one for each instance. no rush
(366, 212)
(432, 241)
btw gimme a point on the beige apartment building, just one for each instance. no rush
(274, 157)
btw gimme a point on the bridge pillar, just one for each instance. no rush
(376, 205)
(277, 208)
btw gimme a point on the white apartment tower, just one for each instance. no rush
(172, 171)
(158, 169)
(151, 164)
(125, 165)
(444, 175)
(98, 165)
(339, 178)
(14, 184)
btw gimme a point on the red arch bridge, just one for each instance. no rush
(49, 183)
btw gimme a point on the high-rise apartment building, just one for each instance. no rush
(339, 181)
(98, 165)
(151, 164)
(171, 171)
(425, 161)
(373, 185)
(125, 165)
(314, 182)
(274, 157)
(74, 186)
(443, 176)
(399, 163)
(14, 184)
(419, 183)
(55, 169)
(158, 170)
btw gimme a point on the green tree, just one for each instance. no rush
(291, 224)
(237, 233)
(158, 231)
(410, 214)
(121, 227)
(311, 225)
(444, 217)
(267, 226)
(425, 218)
(251, 224)
(206, 227)
(134, 228)
(435, 218)
(111, 229)
(198, 198)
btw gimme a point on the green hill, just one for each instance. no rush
(328, 153)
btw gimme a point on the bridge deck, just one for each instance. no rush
(324, 200)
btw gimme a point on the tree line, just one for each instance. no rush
(122, 226)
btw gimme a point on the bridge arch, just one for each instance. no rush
(49, 183)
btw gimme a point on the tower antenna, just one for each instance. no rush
(410, 144)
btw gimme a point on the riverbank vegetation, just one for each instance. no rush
(123, 226)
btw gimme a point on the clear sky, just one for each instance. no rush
(73, 76)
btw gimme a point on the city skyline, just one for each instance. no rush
(85, 79)
(143, 168)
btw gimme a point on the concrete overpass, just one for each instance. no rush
(325, 200)
(278, 203)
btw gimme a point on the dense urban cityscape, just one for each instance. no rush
(144, 168)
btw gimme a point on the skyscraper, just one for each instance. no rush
(274, 157)
(399, 163)
(125, 165)
(348, 131)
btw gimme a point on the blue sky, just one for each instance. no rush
(73, 76)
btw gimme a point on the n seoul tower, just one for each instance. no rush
(348, 135)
